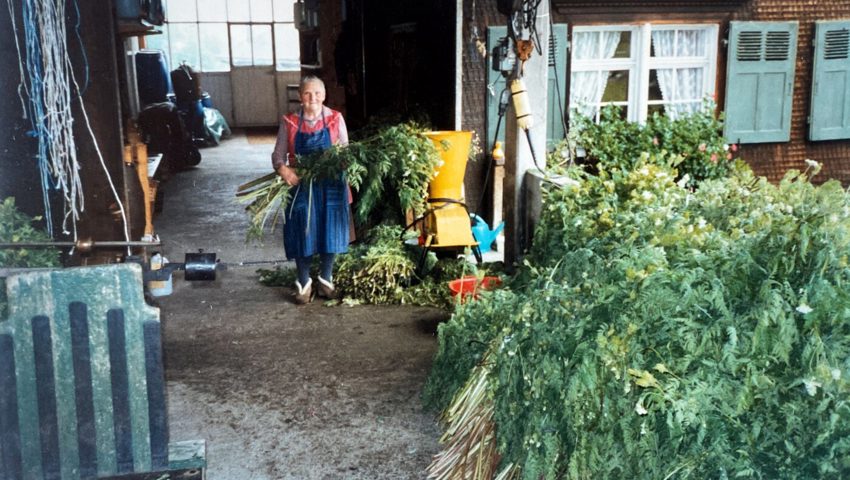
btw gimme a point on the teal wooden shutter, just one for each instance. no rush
(760, 81)
(830, 114)
(495, 85)
(557, 96)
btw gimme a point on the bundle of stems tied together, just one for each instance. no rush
(399, 156)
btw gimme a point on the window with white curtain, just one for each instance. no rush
(196, 32)
(643, 69)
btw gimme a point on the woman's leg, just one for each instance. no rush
(303, 266)
(327, 269)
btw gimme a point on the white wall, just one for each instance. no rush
(217, 84)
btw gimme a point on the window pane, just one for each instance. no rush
(652, 109)
(261, 10)
(680, 90)
(238, 11)
(159, 42)
(690, 43)
(184, 44)
(654, 87)
(586, 45)
(617, 88)
(240, 43)
(212, 10)
(584, 87)
(624, 48)
(287, 47)
(676, 84)
(262, 40)
(181, 11)
(601, 45)
(689, 84)
(215, 56)
(283, 10)
(679, 43)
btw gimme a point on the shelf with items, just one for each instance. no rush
(127, 28)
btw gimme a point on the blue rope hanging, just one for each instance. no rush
(35, 91)
(49, 82)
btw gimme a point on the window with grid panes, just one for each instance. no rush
(643, 69)
(196, 32)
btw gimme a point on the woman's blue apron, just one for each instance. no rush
(317, 221)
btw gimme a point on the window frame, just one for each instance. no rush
(228, 23)
(640, 62)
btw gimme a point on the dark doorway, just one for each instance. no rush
(409, 61)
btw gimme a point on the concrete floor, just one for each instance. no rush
(279, 391)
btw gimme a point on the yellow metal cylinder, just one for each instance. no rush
(449, 223)
(454, 150)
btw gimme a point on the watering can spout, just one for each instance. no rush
(498, 229)
(482, 233)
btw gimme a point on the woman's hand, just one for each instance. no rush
(288, 175)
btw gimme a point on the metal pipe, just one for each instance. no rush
(81, 245)
(107, 243)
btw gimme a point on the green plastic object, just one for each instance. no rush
(82, 392)
(215, 126)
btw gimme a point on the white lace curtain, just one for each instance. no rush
(587, 87)
(681, 88)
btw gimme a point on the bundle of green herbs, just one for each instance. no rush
(376, 271)
(381, 269)
(397, 158)
(667, 333)
(16, 227)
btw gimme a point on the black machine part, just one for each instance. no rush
(199, 266)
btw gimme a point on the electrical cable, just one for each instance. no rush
(103, 165)
(503, 107)
(82, 48)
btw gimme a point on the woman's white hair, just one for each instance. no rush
(310, 79)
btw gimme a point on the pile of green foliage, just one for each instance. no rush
(381, 270)
(391, 169)
(18, 227)
(695, 142)
(667, 333)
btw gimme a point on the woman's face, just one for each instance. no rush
(312, 96)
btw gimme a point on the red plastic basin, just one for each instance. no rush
(470, 285)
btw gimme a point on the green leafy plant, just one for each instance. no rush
(660, 332)
(695, 141)
(377, 270)
(16, 227)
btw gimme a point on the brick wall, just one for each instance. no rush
(475, 93)
(772, 160)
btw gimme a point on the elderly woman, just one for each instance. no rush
(317, 219)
